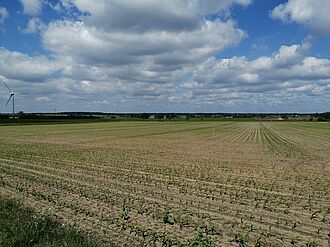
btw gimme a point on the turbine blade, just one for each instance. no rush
(20, 93)
(7, 87)
(9, 99)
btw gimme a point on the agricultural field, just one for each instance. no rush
(176, 183)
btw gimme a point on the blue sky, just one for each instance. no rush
(166, 56)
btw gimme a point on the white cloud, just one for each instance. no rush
(290, 71)
(34, 25)
(19, 66)
(313, 13)
(285, 67)
(43, 99)
(32, 7)
(137, 58)
(4, 14)
(134, 65)
(140, 58)
(150, 14)
(164, 55)
(90, 45)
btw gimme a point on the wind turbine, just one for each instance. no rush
(12, 97)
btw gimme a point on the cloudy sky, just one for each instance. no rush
(166, 56)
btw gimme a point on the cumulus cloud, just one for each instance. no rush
(88, 44)
(285, 67)
(314, 14)
(165, 56)
(150, 14)
(289, 70)
(32, 7)
(4, 14)
(161, 42)
(19, 66)
(34, 25)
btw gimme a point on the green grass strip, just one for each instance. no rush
(22, 227)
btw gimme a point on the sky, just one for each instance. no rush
(166, 56)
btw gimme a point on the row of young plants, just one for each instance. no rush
(123, 177)
(73, 186)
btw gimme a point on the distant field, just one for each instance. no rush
(176, 183)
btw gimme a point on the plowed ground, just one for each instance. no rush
(158, 183)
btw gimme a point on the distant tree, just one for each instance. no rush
(20, 114)
(323, 116)
(171, 115)
(145, 116)
(159, 116)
